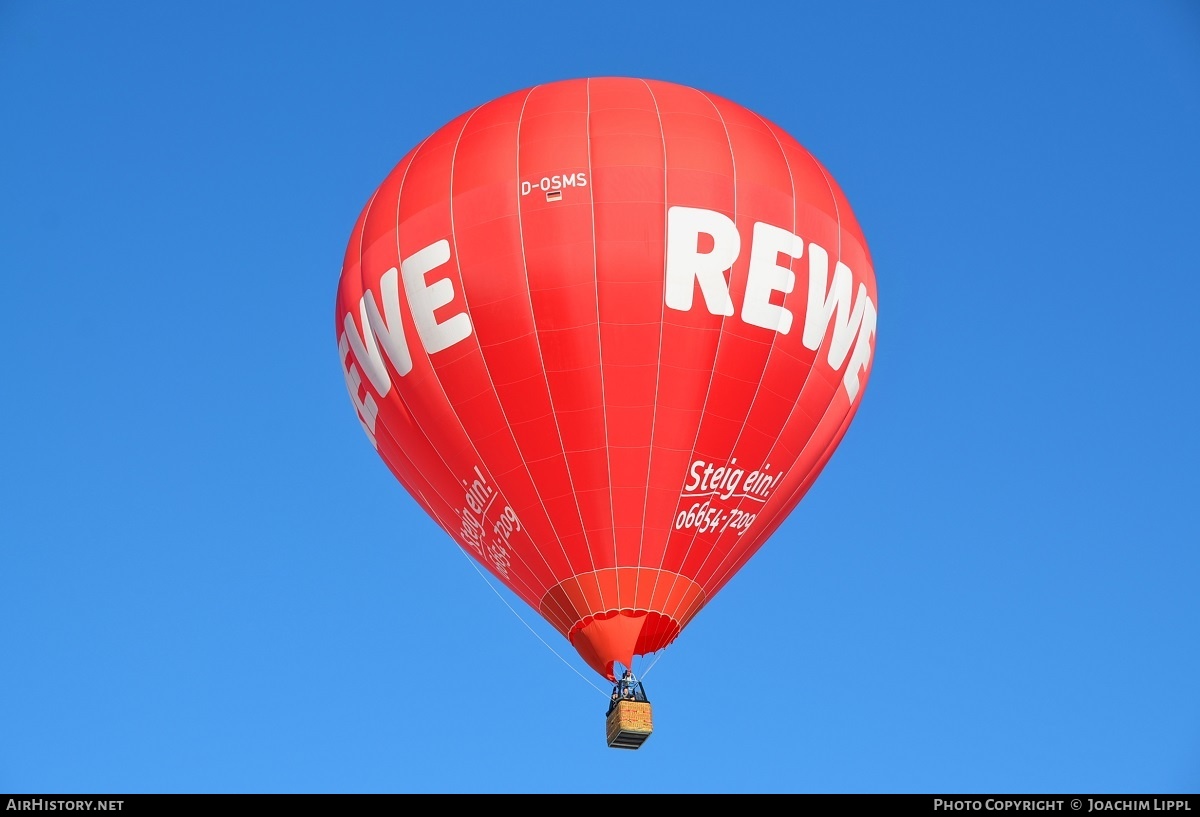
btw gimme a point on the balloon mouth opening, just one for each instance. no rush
(618, 635)
(613, 614)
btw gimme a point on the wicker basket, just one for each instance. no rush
(629, 724)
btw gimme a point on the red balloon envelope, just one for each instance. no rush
(607, 332)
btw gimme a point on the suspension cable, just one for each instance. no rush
(475, 565)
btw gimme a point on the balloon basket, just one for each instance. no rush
(629, 724)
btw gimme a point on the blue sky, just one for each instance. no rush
(210, 583)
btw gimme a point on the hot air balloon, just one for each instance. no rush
(607, 332)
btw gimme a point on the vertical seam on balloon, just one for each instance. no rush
(541, 592)
(790, 502)
(754, 398)
(716, 352)
(381, 428)
(587, 128)
(723, 578)
(463, 289)
(666, 546)
(658, 369)
(512, 583)
(550, 396)
(395, 396)
(557, 580)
